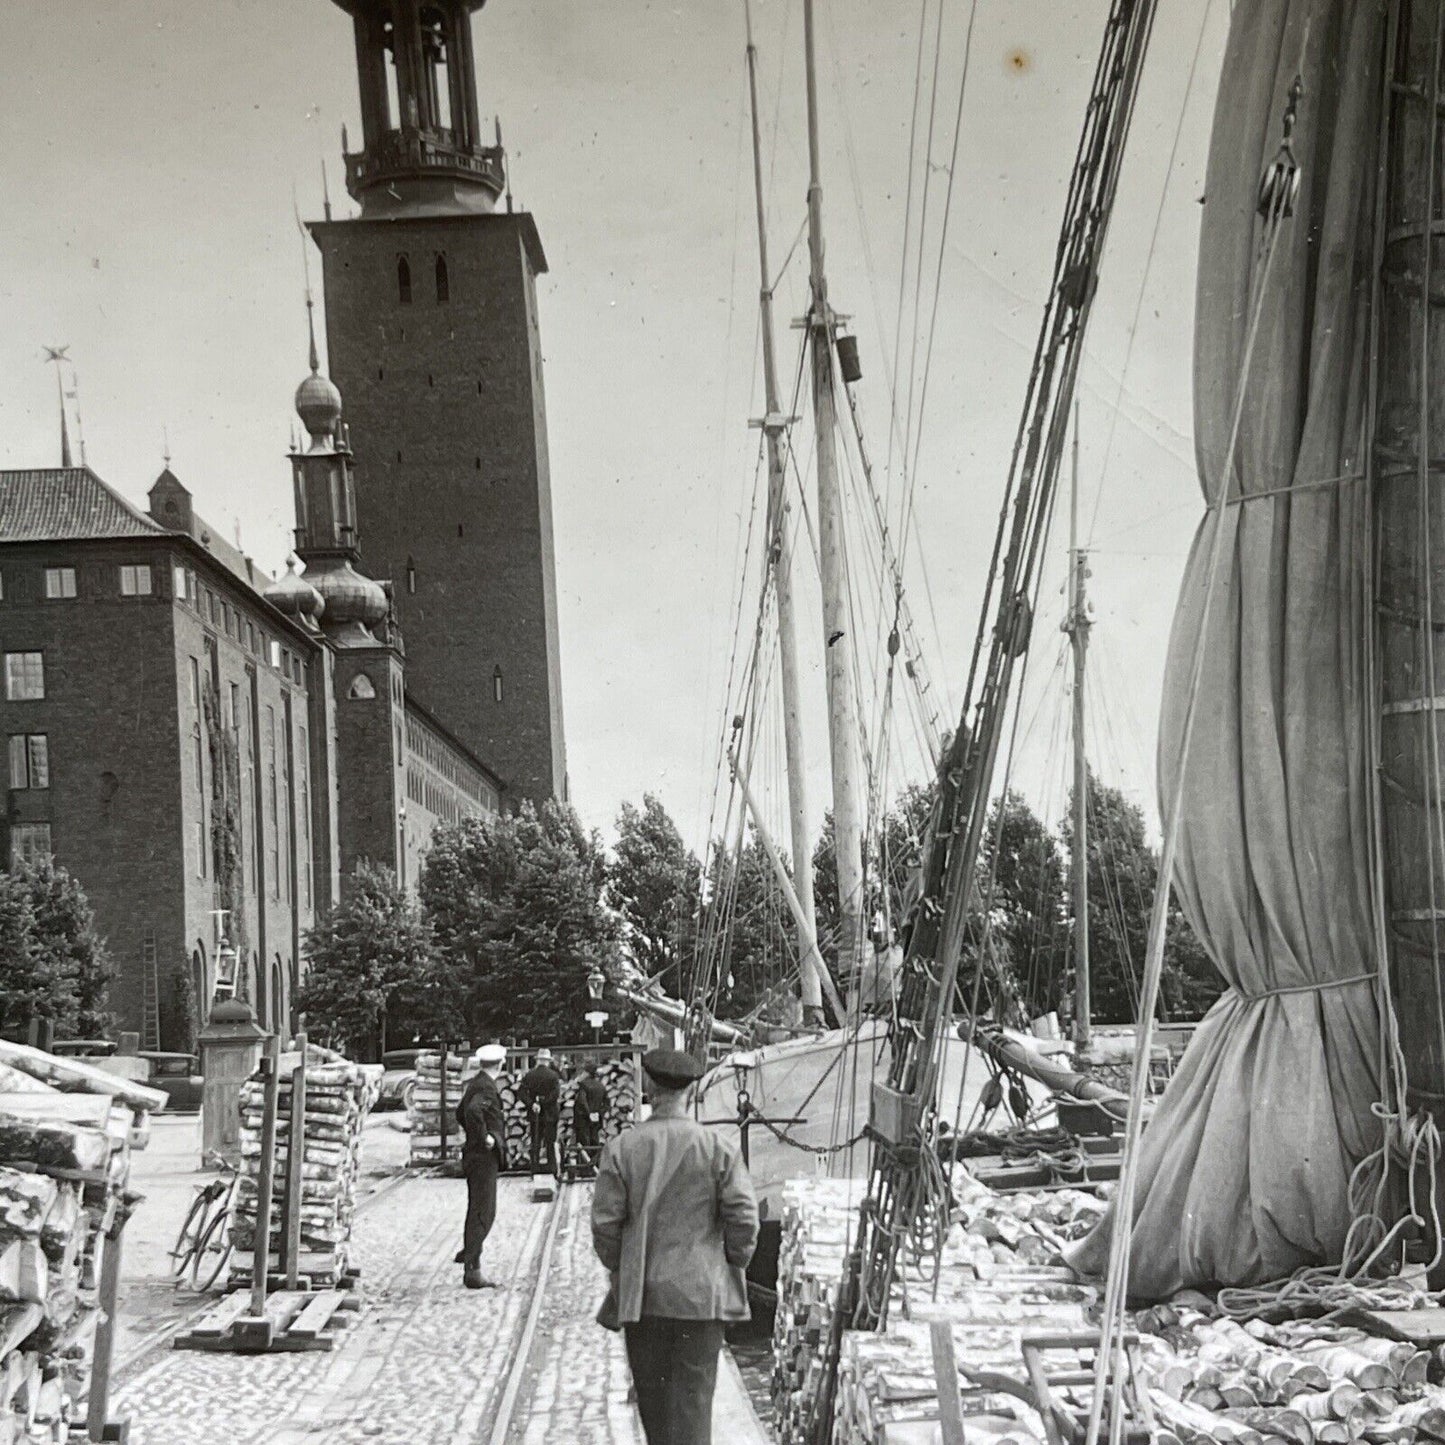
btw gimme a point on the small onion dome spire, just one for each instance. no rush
(295, 596)
(318, 403)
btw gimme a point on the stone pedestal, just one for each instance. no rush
(230, 1052)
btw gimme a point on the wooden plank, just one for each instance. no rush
(284, 1306)
(295, 1158)
(217, 1320)
(97, 1416)
(260, 1263)
(1417, 1327)
(945, 1378)
(317, 1314)
(73, 1075)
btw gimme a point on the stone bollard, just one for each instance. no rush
(230, 1052)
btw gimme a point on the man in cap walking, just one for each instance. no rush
(482, 1117)
(541, 1092)
(675, 1223)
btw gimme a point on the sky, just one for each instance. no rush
(157, 152)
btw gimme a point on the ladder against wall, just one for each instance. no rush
(150, 995)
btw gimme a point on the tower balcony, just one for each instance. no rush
(425, 169)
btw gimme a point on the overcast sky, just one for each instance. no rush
(153, 148)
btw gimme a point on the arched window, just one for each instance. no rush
(443, 288)
(496, 684)
(403, 280)
(361, 689)
(410, 575)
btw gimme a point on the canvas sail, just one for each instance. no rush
(1245, 1166)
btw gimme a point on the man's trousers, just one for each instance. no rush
(481, 1171)
(674, 1367)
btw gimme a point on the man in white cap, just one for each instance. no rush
(482, 1117)
(541, 1092)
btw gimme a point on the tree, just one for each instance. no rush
(363, 963)
(515, 907)
(73, 955)
(1123, 874)
(751, 947)
(654, 884)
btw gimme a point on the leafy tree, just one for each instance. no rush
(654, 884)
(364, 961)
(1123, 874)
(518, 922)
(1020, 859)
(753, 957)
(72, 955)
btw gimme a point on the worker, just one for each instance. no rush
(675, 1223)
(482, 1117)
(541, 1093)
(589, 1103)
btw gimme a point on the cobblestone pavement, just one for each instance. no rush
(578, 1385)
(426, 1360)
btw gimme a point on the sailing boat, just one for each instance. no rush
(812, 1093)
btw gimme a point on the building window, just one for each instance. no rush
(273, 651)
(135, 581)
(496, 684)
(2, 588)
(443, 287)
(29, 760)
(403, 280)
(178, 582)
(59, 582)
(236, 708)
(410, 575)
(213, 607)
(195, 684)
(274, 849)
(201, 848)
(361, 689)
(29, 842)
(24, 676)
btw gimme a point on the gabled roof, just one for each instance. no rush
(66, 504)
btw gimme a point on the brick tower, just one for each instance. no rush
(433, 339)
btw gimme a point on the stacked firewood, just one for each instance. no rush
(1303, 1380)
(424, 1108)
(64, 1193)
(339, 1095)
(818, 1224)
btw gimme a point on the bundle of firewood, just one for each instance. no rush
(338, 1096)
(424, 1106)
(616, 1076)
(66, 1134)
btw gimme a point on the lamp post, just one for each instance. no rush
(596, 1017)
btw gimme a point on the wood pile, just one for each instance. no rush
(617, 1077)
(1302, 1380)
(1205, 1378)
(66, 1135)
(424, 1110)
(339, 1095)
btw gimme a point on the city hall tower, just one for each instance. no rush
(433, 340)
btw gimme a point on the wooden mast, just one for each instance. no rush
(1409, 517)
(774, 425)
(837, 639)
(1077, 627)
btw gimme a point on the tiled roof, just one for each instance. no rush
(58, 504)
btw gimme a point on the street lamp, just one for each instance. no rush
(596, 1017)
(226, 960)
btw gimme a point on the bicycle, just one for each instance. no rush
(203, 1247)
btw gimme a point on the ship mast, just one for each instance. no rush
(1077, 626)
(774, 425)
(837, 641)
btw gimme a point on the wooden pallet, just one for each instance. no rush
(293, 1320)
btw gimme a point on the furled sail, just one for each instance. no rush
(1245, 1167)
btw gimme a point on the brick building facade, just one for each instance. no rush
(209, 751)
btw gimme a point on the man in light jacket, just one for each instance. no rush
(674, 1222)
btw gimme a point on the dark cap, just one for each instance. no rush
(671, 1067)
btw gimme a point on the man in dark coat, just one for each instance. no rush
(541, 1092)
(589, 1104)
(481, 1116)
(674, 1222)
